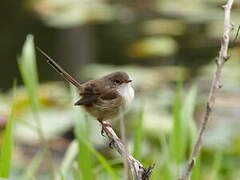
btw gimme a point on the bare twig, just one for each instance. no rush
(220, 61)
(137, 169)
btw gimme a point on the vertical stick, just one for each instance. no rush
(220, 61)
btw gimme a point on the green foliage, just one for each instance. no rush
(7, 144)
(29, 74)
(102, 160)
(85, 161)
(178, 137)
(28, 70)
(182, 137)
(138, 134)
(216, 165)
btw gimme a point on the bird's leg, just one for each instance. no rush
(104, 125)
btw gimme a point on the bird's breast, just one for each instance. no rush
(127, 93)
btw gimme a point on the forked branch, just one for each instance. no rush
(220, 61)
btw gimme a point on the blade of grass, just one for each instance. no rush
(84, 156)
(28, 70)
(177, 140)
(76, 173)
(188, 114)
(33, 166)
(69, 158)
(7, 144)
(156, 174)
(102, 160)
(138, 134)
(183, 126)
(196, 174)
(82, 132)
(167, 161)
(216, 165)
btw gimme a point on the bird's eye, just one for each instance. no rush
(117, 81)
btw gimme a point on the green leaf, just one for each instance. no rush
(216, 165)
(84, 155)
(196, 172)
(28, 70)
(7, 145)
(138, 134)
(101, 159)
(82, 132)
(184, 130)
(177, 140)
(168, 164)
(187, 115)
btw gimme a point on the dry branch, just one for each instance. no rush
(220, 61)
(137, 169)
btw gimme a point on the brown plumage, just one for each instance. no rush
(105, 98)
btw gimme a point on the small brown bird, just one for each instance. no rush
(105, 98)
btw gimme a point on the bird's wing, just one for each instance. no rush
(86, 100)
(91, 93)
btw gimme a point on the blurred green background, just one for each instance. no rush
(168, 47)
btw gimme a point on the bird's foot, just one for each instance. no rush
(104, 125)
(102, 132)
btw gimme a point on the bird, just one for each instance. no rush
(105, 98)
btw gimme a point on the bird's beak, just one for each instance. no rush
(128, 81)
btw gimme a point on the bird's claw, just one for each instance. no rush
(102, 132)
(104, 125)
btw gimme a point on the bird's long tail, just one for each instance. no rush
(60, 70)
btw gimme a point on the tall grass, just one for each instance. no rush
(183, 133)
(29, 74)
(7, 144)
(138, 136)
(178, 136)
(82, 131)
